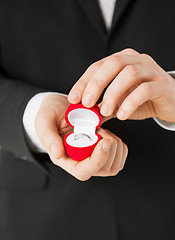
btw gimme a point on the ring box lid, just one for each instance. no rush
(82, 119)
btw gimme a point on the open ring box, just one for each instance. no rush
(81, 143)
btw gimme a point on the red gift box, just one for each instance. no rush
(81, 143)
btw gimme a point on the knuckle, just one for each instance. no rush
(115, 61)
(145, 88)
(129, 51)
(121, 168)
(119, 141)
(125, 148)
(114, 172)
(123, 164)
(83, 179)
(146, 56)
(131, 70)
(112, 139)
(103, 172)
(97, 81)
(82, 176)
(95, 66)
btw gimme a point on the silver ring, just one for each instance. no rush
(81, 135)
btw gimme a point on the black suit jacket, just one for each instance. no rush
(46, 46)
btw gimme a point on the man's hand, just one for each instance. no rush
(107, 159)
(50, 124)
(137, 88)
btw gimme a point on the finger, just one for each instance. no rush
(107, 166)
(66, 163)
(77, 90)
(144, 92)
(104, 75)
(105, 119)
(128, 77)
(122, 152)
(125, 154)
(113, 163)
(130, 51)
(48, 135)
(98, 159)
(85, 169)
(117, 158)
(115, 168)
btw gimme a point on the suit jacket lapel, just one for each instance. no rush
(121, 6)
(92, 9)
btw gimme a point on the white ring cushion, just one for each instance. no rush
(84, 122)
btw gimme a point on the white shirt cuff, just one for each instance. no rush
(164, 124)
(172, 74)
(29, 116)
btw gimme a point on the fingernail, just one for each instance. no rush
(74, 95)
(106, 145)
(104, 109)
(87, 100)
(121, 114)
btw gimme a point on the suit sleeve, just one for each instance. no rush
(14, 96)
